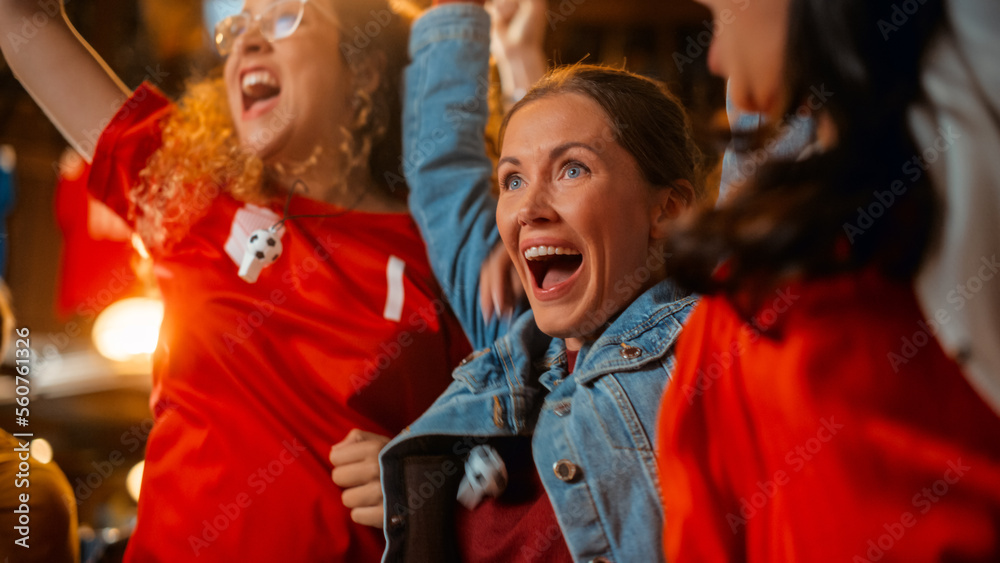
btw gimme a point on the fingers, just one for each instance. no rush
(355, 458)
(499, 285)
(369, 516)
(355, 474)
(356, 470)
(358, 435)
(365, 496)
(486, 291)
(357, 446)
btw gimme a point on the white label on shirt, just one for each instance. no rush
(247, 220)
(394, 300)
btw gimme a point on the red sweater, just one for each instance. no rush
(848, 436)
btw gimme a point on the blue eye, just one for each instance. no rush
(513, 183)
(574, 170)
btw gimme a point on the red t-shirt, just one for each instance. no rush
(518, 527)
(850, 436)
(253, 383)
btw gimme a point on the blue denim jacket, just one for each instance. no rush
(595, 428)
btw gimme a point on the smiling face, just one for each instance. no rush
(749, 49)
(289, 96)
(578, 219)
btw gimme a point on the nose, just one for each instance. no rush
(535, 205)
(251, 40)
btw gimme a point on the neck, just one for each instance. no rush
(321, 179)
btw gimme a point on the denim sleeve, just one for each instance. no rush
(449, 174)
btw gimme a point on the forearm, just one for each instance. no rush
(74, 87)
(519, 69)
(447, 168)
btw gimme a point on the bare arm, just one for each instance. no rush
(63, 74)
(517, 38)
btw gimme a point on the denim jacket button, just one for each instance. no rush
(565, 470)
(472, 356)
(629, 352)
(396, 521)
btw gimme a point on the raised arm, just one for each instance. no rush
(64, 75)
(446, 166)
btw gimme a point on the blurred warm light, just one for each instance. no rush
(134, 479)
(110, 535)
(139, 246)
(41, 450)
(129, 328)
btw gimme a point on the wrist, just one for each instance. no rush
(443, 2)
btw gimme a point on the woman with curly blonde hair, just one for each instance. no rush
(298, 299)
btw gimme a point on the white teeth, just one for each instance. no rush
(541, 252)
(258, 77)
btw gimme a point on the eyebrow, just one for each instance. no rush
(553, 154)
(558, 151)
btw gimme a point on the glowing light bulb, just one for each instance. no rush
(128, 329)
(134, 479)
(41, 450)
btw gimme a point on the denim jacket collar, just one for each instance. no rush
(645, 331)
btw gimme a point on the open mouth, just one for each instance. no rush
(552, 265)
(259, 87)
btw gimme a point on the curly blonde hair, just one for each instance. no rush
(201, 156)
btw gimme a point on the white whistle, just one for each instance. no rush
(263, 248)
(485, 476)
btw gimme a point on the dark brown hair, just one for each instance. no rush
(646, 119)
(805, 218)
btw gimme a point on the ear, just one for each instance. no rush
(668, 204)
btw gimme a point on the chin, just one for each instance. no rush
(266, 144)
(558, 325)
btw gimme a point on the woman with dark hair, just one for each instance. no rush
(552, 419)
(290, 318)
(812, 416)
